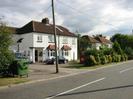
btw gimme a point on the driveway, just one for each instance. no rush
(42, 71)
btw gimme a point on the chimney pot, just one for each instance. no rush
(45, 21)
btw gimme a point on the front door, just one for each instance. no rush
(39, 55)
(36, 55)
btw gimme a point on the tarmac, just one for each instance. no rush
(43, 71)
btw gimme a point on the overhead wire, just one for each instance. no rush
(83, 13)
(44, 11)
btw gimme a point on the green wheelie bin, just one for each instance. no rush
(19, 67)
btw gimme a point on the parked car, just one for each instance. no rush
(19, 55)
(61, 60)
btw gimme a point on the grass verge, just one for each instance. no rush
(10, 81)
(82, 66)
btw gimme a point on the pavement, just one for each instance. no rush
(43, 71)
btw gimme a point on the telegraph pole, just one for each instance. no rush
(54, 30)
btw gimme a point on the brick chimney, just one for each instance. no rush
(45, 21)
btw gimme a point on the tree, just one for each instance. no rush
(126, 43)
(117, 48)
(123, 40)
(83, 45)
(6, 55)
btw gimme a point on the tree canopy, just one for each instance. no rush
(123, 40)
(5, 42)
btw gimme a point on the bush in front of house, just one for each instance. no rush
(98, 60)
(104, 56)
(129, 52)
(103, 59)
(126, 57)
(90, 61)
(109, 58)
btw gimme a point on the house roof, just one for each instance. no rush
(97, 39)
(90, 39)
(41, 27)
(103, 40)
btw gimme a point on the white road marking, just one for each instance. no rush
(76, 88)
(126, 70)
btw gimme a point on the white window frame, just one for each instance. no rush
(50, 38)
(51, 53)
(73, 41)
(65, 40)
(65, 53)
(39, 38)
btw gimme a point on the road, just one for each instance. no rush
(114, 82)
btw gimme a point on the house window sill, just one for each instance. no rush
(39, 41)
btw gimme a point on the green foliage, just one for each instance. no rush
(98, 60)
(126, 43)
(93, 52)
(129, 52)
(116, 58)
(109, 58)
(90, 61)
(126, 57)
(6, 55)
(83, 44)
(121, 50)
(123, 40)
(117, 48)
(103, 60)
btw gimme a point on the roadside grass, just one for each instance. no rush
(77, 65)
(5, 81)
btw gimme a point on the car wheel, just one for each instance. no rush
(65, 61)
(54, 62)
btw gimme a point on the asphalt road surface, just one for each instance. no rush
(115, 82)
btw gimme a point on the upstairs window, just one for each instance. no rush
(39, 38)
(65, 40)
(73, 41)
(51, 38)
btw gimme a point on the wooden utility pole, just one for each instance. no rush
(54, 30)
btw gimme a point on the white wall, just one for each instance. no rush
(30, 43)
(14, 47)
(45, 43)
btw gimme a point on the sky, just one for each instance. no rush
(88, 17)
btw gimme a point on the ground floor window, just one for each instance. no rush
(51, 53)
(65, 53)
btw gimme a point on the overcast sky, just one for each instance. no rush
(84, 16)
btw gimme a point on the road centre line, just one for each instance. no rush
(122, 71)
(76, 88)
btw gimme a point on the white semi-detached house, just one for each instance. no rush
(38, 41)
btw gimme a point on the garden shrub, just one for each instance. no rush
(90, 61)
(126, 57)
(98, 60)
(129, 52)
(103, 60)
(109, 58)
(118, 58)
(123, 58)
